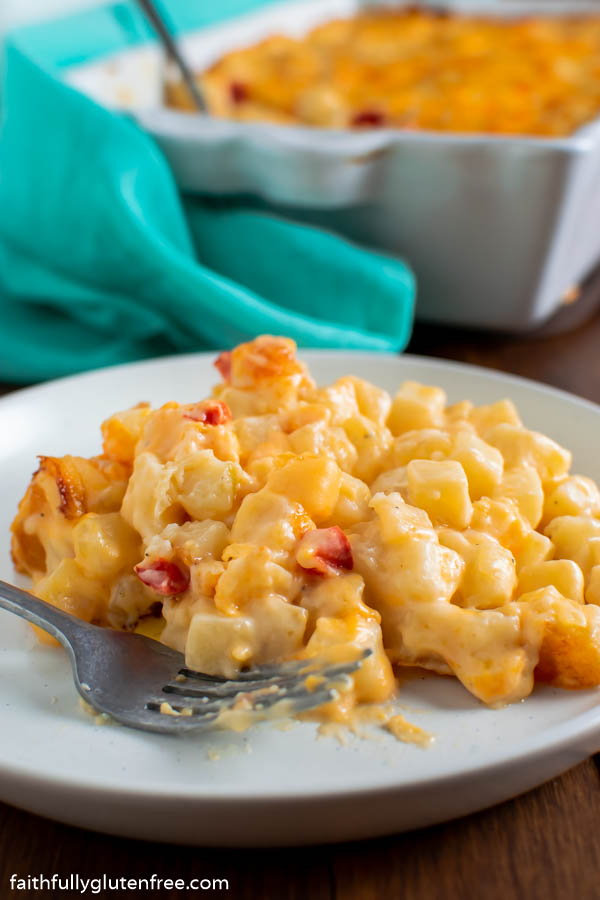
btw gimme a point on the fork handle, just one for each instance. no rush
(53, 620)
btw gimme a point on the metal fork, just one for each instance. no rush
(143, 684)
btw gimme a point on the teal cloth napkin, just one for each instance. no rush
(102, 261)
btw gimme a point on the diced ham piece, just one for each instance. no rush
(325, 551)
(238, 91)
(370, 117)
(164, 577)
(223, 365)
(209, 412)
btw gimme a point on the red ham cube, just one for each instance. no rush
(368, 117)
(238, 91)
(209, 412)
(325, 551)
(164, 577)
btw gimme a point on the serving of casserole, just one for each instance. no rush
(278, 520)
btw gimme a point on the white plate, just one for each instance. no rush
(268, 786)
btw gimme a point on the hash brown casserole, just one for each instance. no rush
(278, 519)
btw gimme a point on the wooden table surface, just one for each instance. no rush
(544, 844)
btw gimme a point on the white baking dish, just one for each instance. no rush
(498, 229)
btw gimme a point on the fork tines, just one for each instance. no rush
(300, 685)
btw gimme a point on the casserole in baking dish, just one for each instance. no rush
(497, 227)
(415, 68)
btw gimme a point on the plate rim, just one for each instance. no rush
(306, 353)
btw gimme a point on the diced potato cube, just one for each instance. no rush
(219, 645)
(374, 681)
(524, 486)
(150, 502)
(489, 578)
(482, 463)
(322, 105)
(592, 594)
(416, 406)
(178, 613)
(400, 558)
(279, 627)
(373, 401)
(458, 413)
(441, 489)
(569, 655)
(105, 545)
(129, 599)
(483, 648)
(260, 470)
(563, 574)
(70, 590)
(275, 445)
(392, 481)
(576, 538)
(61, 491)
(320, 438)
(207, 487)
(304, 414)
(575, 496)
(335, 598)
(340, 399)
(457, 540)
(535, 548)
(197, 540)
(252, 431)
(399, 521)
(486, 417)
(577, 652)
(252, 574)
(104, 482)
(204, 576)
(244, 402)
(312, 481)
(428, 443)
(162, 431)
(521, 447)
(352, 503)
(501, 519)
(122, 431)
(372, 442)
(269, 519)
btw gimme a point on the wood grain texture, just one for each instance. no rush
(31, 845)
(570, 361)
(545, 844)
(541, 846)
(536, 847)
